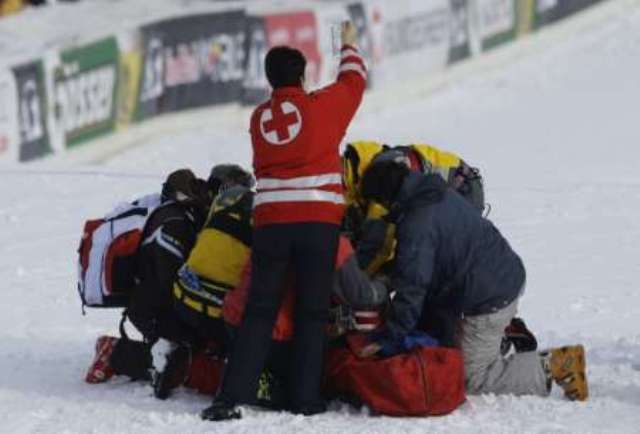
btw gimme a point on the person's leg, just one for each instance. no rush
(269, 260)
(486, 370)
(314, 260)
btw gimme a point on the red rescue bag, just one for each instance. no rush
(205, 373)
(427, 381)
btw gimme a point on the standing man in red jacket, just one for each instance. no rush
(297, 212)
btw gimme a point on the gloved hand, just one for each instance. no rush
(349, 35)
(407, 343)
(379, 344)
(518, 335)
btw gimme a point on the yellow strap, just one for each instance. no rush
(214, 312)
(193, 304)
(387, 251)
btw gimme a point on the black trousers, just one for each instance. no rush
(308, 250)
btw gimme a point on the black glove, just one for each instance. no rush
(518, 335)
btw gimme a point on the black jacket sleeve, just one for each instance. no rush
(164, 249)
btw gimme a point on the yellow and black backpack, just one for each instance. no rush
(216, 263)
(422, 157)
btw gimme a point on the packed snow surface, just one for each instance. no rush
(556, 136)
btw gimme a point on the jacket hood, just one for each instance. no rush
(418, 190)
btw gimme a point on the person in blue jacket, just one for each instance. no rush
(447, 255)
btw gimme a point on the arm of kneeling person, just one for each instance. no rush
(415, 256)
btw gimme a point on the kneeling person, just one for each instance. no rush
(448, 255)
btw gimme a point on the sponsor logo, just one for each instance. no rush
(217, 59)
(152, 86)
(282, 124)
(84, 98)
(30, 112)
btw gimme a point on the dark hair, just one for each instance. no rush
(284, 66)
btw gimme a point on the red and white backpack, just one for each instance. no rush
(107, 254)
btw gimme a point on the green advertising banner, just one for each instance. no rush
(84, 96)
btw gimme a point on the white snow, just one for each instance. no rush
(556, 136)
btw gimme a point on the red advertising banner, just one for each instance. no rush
(298, 30)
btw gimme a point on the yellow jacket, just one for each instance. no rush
(359, 155)
(222, 250)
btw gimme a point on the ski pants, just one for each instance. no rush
(486, 370)
(309, 251)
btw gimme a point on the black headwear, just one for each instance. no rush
(184, 187)
(226, 175)
(284, 66)
(382, 180)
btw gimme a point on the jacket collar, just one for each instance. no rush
(418, 190)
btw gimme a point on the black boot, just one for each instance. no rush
(174, 372)
(310, 409)
(220, 409)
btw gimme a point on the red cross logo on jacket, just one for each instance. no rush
(280, 123)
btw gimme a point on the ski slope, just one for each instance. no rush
(556, 136)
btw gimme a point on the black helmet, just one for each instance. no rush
(224, 176)
(184, 187)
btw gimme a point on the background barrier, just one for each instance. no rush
(78, 91)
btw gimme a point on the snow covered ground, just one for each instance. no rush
(556, 135)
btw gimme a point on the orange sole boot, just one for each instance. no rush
(568, 369)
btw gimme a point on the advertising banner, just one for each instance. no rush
(32, 111)
(85, 81)
(410, 38)
(526, 16)
(192, 61)
(8, 118)
(296, 29)
(549, 11)
(129, 79)
(494, 22)
(255, 85)
(460, 35)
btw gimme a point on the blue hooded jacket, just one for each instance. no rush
(448, 255)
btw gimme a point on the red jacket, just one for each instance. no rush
(296, 138)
